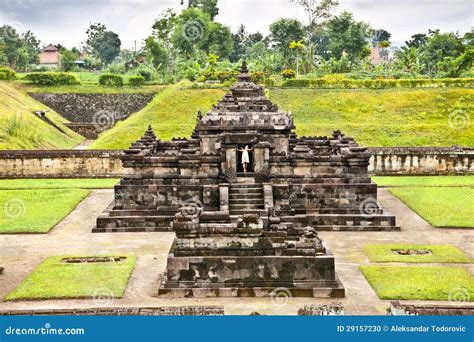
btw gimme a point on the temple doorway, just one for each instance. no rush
(240, 155)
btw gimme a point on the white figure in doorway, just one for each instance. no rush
(245, 157)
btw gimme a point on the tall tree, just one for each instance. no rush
(379, 36)
(104, 44)
(207, 6)
(440, 46)
(349, 36)
(191, 31)
(284, 31)
(417, 40)
(319, 12)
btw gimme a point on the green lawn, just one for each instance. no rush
(172, 113)
(392, 117)
(58, 183)
(55, 279)
(440, 253)
(425, 181)
(36, 211)
(442, 207)
(21, 129)
(420, 282)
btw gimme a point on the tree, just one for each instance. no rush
(191, 31)
(379, 36)
(284, 31)
(158, 54)
(14, 52)
(219, 41)
(68, 60)
(319, 12)
(32, 45)
(417, 40)
(104, 44)
(297, 47)
(453, 67)
(409, 59)
(207, 6)
(348, 35)
(440, 46)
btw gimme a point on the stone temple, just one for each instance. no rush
(246, 233)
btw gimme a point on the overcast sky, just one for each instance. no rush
(65, 21)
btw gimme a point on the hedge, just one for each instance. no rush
(379, 84)
(136, 81)
(51, 78)
(111, 80)
(7, 74)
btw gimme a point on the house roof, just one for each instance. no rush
(50, 47)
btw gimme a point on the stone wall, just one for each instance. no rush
(99, 108)
(107, 163)
(421, 160)
(61, 164)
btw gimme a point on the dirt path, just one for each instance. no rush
(84, 145)
(20, 254)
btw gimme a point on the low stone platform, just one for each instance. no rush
(399, 309)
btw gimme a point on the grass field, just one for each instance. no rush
(442, 207)
(395, 117)
(440, 253)
(57, 183)
(424, 181)
(172, 113)
(36, 211)
(21, 129)
(420, 282)
(56, 279)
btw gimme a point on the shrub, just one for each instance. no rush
(51, 78)
(7, 74)
(223, 75)
(258, 76)
(111, 80)
(288, 73)
(269, 82)
(136, 81)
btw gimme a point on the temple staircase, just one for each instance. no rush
(245, 198)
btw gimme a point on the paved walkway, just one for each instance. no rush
(20, 254)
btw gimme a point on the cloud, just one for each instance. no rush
(65, 21)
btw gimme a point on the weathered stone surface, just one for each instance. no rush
(123, 311)
(87, 108)
(398, 309)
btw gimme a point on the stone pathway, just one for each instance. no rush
(20, 254)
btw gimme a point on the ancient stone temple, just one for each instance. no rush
(246, 198)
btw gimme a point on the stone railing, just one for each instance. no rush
(61, 164)
(107, 163)
(421, 160)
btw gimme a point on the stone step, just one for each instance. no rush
(246, 191)
(246, 196)
(242, 200)
(241, 212)
(245, 185)
(245, 206)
